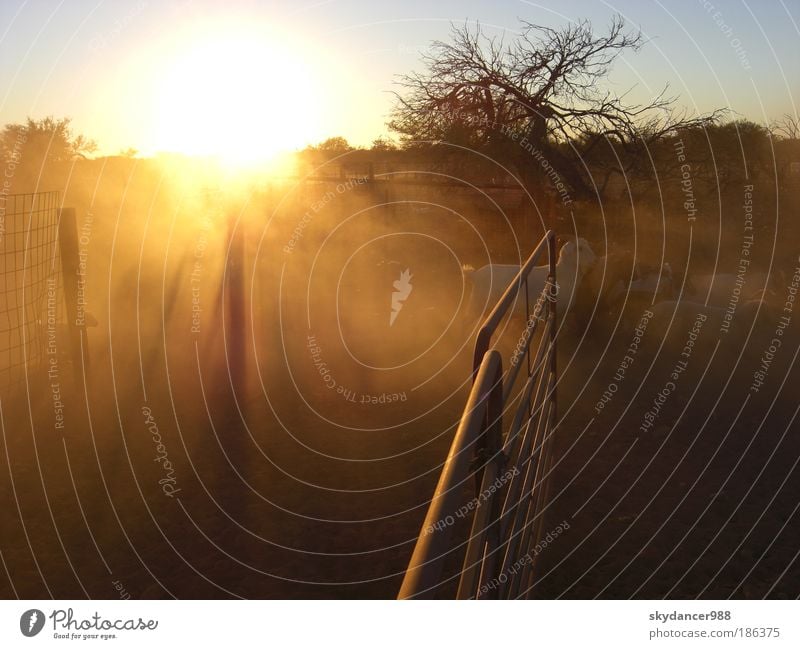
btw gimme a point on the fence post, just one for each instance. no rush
(551, 247)
(235, 350)
(68, 246)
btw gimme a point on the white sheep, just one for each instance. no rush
(673, 320)
(720, 289)
(647, 285)
(491, 281)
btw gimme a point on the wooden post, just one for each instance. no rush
(76, 319)
(236, 441)
(236, 325)
(551, 211)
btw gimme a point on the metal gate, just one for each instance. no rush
(496, 475)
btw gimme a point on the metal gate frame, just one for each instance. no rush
(506, 518)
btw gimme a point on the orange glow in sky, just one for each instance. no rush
(242, 95)
(243, 80)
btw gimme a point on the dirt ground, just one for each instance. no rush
(305, 470)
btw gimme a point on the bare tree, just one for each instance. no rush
(537, 104)
(786, 128)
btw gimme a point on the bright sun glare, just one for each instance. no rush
(242, 98)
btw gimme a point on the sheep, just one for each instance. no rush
(718, 290)
(491, 281)
(615, 278)
(592, 292)
(645, 285)
(674, 320)
(649, 285)
(642, 279)
(761, 302)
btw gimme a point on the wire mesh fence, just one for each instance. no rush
(31, 302)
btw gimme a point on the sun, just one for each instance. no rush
(243, 97)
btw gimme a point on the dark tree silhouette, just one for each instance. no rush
(536, 104)
(334, 146)
(383, 144)
(726, 155)
(44, 140)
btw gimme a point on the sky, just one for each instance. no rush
(199, 76)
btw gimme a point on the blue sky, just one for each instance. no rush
(100, 61)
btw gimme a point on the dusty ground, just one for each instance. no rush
(701, 504)
(292, 484)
